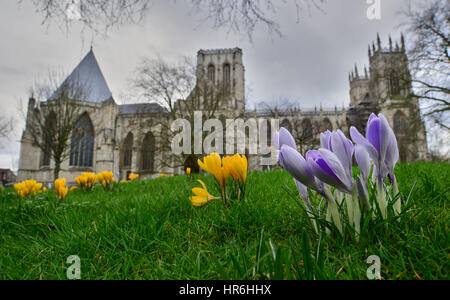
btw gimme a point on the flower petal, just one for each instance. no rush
(373, 134)
(286, 138)
(276, 140)
(361, 140)
(392, 153)
(385, 136)
(336, 166)
(343, 150)
(323, 175)
(325, 139)
(363, 160)
(303, 191)
(295, 164)
(357, 137)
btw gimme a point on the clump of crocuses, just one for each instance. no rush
(328, 173)
(222, 168)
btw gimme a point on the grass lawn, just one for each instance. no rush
(150, 230)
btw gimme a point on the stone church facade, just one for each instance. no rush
(124, 138)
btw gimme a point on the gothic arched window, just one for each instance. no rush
(394, 84)
(48, 134)
(212, 73)
(307, 130)
(227, 78)
(400, 123)
(128, 150)
(326, 125)
(82, 143)
(148, 152)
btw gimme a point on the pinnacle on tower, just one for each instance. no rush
(397, 48)
(403, 42)
(373, 48)
(390, 43)
(365, 72)
(379, 41)
(356, 71)
(370, 52)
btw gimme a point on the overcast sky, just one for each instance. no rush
(308, 65)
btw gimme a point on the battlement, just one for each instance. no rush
(220, 51)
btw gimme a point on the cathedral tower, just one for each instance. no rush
(223, 71)
(389, 72)
(387, 88)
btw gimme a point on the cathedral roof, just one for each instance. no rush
(142, 108)
(86, 82)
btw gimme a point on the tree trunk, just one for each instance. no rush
(56, 170)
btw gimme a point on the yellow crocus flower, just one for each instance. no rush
(86, 181)
(228, 164)
(240, 167)
(26, 188)
(133, 177)
(202, 197)
(213, 165)
(188, 171)
(61, 189)
(106, 179)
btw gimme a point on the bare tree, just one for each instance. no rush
(240, 16)
(97, 15)
(245, 15)
(50, 125)
(182, 91)
(429, 25)
(305, 135)
(6, 127)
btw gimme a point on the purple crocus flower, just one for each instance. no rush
(392, 155)
(303, 191)
(325, 139)
(327, 167)
(283, 137)
(380, 143)
(363, 159)
(343, 148)
(295, 164)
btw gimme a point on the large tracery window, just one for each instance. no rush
(82, 143)
(307, 132)
(148, 152)
(47, 139)
(128, 151)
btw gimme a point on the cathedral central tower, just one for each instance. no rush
(223, 71)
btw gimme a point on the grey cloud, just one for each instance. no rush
(309, 64)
